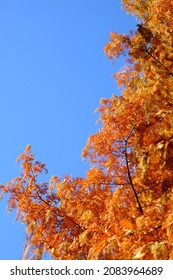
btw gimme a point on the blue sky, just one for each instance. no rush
(53, 73)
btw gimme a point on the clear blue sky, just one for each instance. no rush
(53, 72)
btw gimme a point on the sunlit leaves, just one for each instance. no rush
(123, 208)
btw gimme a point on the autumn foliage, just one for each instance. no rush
(123, 208)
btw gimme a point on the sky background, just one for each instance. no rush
(53, 72)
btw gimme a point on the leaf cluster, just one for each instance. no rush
(123, 208)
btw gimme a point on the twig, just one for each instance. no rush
(150, 54)
(130, 179)
(63, 215)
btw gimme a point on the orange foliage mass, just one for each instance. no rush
(123, 209)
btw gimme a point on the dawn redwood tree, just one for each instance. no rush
(123, 208)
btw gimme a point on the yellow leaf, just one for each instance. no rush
(28, 148)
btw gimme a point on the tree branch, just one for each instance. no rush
(130, 179)
(150, 54)
(63, 215)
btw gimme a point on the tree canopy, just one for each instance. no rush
(123, 208)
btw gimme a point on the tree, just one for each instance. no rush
(123, 208)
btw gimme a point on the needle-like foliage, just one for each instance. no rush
(123, 208)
